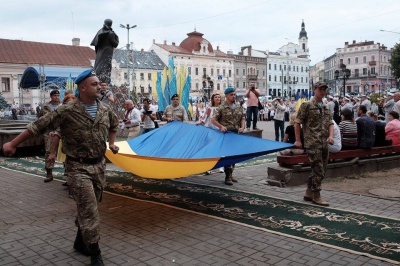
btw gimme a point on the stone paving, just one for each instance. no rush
(37, 227)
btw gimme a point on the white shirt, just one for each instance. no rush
(148, 123)
(134, 117)
(337, 145)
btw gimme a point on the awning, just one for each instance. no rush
(53, 75)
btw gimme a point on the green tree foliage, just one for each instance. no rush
(395, 61)
(3, 102)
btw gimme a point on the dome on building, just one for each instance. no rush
(303, 32)
(192, 42)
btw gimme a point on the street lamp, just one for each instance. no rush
(344, 74)
(129, 52)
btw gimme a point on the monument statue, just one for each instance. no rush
(104, 42)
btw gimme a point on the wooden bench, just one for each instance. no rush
(289, 160)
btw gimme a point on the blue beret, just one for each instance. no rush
(85, 74)
(229, 90)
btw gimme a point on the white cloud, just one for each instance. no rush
(266, 25)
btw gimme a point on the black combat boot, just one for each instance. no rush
(80, 246)
(49, 175)
(96, 259)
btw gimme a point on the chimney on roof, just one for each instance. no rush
(346, 44)
(354, 41)
(217, 48)
(229, 52)
(173, 43)
(76, 41)
(165, 42)
(154, 41)
(142, 51)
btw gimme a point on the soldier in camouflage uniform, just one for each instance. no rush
(229, 116)
(48, 138)
(315, 118)
(85, 125)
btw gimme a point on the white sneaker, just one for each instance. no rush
(221, 170)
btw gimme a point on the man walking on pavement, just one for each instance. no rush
(48, 138)
(85, 125)
(252, 95)
(317, 124)
(229, 117)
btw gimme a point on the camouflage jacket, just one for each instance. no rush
(315, 121)
(44, 111)
(82, 136)
(228, 117)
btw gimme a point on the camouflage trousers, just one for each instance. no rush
(87, 183)
(47, 145)
(229, 170)
(319, 161)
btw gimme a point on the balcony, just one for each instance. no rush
(372, 63)
(252, 77)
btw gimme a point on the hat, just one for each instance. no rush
(347, 95)
(84, 75)
(320, 85)
(54, 92)
(347, 99)
(229, 90)
(330, 97)
(363, 95)
(175, 95)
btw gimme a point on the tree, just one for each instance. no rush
(395, 61)
(3, 102)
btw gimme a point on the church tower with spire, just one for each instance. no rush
(303, 40)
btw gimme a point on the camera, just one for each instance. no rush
(102, 92)
(253, 87)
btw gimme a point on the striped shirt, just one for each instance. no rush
(91, 109)
(348, 131)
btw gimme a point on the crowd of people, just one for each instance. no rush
(316, 127)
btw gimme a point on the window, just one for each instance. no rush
(237, 72)
(141, 76)
(301, 79)
(269, 77)
(372, 70)
(196, 71)
(230, 73)
(244, 72)
(237, 84)
(204, 72)
(364, 72)
(212, 72)
(373, 58)
(356, 60)
(189, 70)
(284, 67)
(274, 66)
(5, 84)
(244, 84)
(269, 66)
(223, 72)
(218, 72)
(280, 67)
(274, 78)
(258, 72)
(218, 87)
(356, 72)
(348, 60)
(301, 69)
(263, 73)
(341, 61)
(148, 76)
(364, 59)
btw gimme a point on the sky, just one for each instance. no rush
(229, 24)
